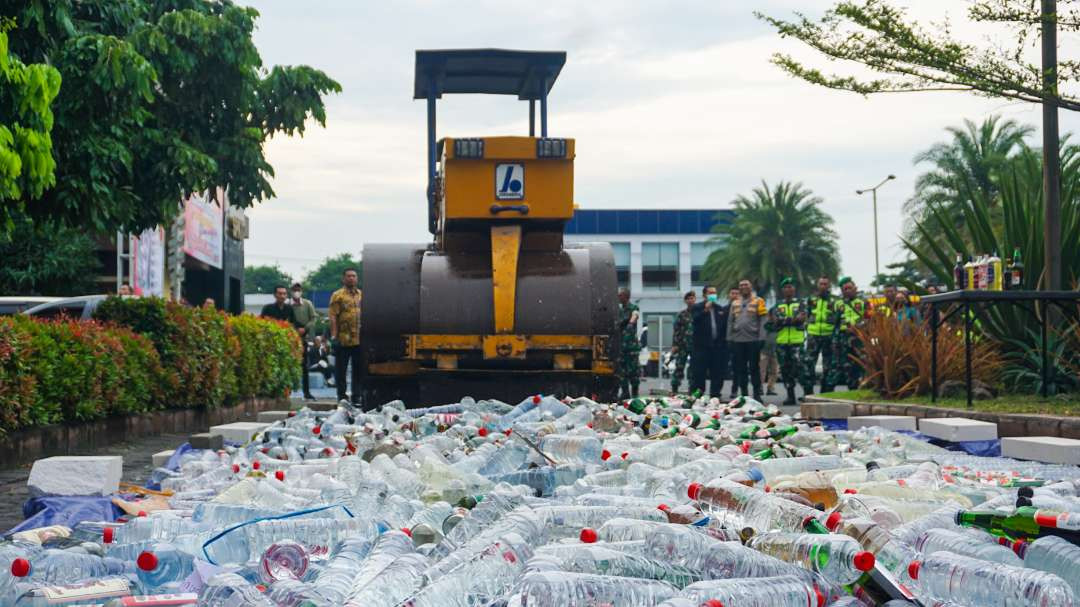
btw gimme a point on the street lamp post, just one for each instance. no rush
(873, 190)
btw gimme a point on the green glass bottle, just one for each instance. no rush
(764, 454)
(1025, 521)
(636, 405)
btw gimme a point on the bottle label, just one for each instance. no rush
(1058, 520)
(97, 589)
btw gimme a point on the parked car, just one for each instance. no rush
(15, 305)
(78, 308)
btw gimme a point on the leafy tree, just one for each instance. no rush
(263, 279)
(880, 36)
(327, 276)
(44, 258)
(26, 162)
(160, 98)
(777, 232)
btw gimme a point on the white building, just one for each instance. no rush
(659, 254)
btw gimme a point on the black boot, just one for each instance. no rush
(790, 400)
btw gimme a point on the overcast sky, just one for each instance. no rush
(673, 105)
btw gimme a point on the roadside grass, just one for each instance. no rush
(1064, 405)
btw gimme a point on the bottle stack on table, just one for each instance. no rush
(572, 503)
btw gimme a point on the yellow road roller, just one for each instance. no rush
(497, 306)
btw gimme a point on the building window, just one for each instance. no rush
(661, 330)
(660, 265)
(622, 263)
(699, 253)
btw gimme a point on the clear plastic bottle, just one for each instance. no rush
(934, 540)
(567, 521)
(394, 583)
(285, 560)
(562, 589)
(605, 560)
(1054, 555)
(480, 580)
(569, 449)
(231, 590)
(62, 567)
(891, 553)
(779, 591)
(750, 507)
(943, 518)
(945, 576)
(388, 548)
(837, 557)
(162, 567)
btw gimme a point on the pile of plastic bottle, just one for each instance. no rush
(572, 503)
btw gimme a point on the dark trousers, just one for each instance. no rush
(708, 363)
(344, 357)
(304, 379)
(747, 365)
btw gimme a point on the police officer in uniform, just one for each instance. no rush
(629, 366)
(683, 341)
(788, 319)
(851, 311)
(819, 336)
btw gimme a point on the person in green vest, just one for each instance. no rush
(850, 312)
(629, 367)
(788, 320)
(819, 310)
(683, 340)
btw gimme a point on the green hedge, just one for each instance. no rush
(139, 355)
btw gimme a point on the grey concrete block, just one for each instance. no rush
(162, 457)
(1049, 449)
(238, 432)
(826, 410)
(323, 406)
(269, 417)
(889, 422)
(205, 440)
(958, 429)
(76, 475)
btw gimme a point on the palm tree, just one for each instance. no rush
(973, 158)
(777, 232)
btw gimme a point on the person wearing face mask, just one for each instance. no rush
(305, 316)
(709, 360)
(746, 332)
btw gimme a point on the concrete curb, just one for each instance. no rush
(28, 445)
(1008, 424)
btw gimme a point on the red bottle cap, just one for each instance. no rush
(625, 454)
(147, 561)
(851, 491)
(327, 451)
(280, 475)
(406, 531)
(260, 587)
(745, 446)
(587, 536)
(820, 596)
(107, 535)
(316, 430)
(693, 490)
(292, 413)
(536, 399)
(482, 431)
(864, 561)
(712, 603)
(663, 507)
(20, 567)
(141, 514)
(833, 521)
(605, 455)
(768, 488)
(235, 468)
(255, 465)
(913, 569)
(509, 431)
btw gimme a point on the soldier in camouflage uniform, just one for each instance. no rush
(788, 319)
(820, 324)
(851, 311)
(683, 341)
(629, 367)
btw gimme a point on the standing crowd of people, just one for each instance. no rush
(751, 344)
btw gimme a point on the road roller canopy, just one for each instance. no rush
(527, 74)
